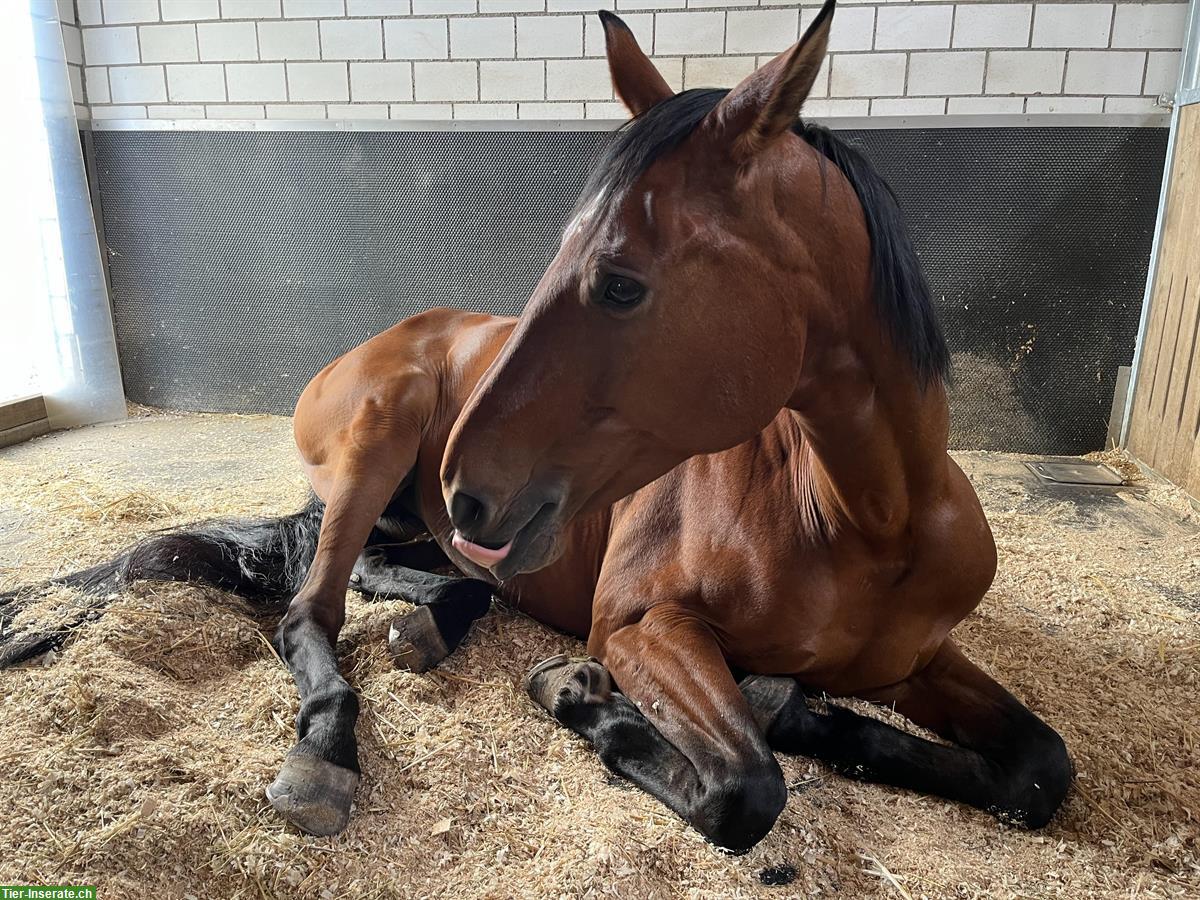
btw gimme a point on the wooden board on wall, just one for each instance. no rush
(1164, 430)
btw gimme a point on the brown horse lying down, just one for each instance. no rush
(713, 443)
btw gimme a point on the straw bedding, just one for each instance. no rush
(136, 757)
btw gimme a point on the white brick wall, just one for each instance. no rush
(538, 59)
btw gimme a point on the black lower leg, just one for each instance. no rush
(446, 607)
(316, 784)
(1002, 781)
(723, 802)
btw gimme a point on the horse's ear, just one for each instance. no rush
(638, 83)
(766, 104)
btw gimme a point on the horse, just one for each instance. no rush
(713, 445)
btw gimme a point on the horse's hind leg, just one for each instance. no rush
(1005, 760)
(446, 607)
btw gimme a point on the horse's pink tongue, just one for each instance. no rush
(478, 554)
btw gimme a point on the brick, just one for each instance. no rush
(357, 110)
(578, 79)
(256, 81)
(433, 7)
(352, 39)
(317, 81)
(835, 109)
(1064, 105)
(227, 41)
(1158, 26)
(867, 75)
(1025, 71)
(547, 36)
(381, 81)
(1071, 24)
(485, 111)
(445, 81)
(1133, 106)
(234, 111)
(908, 106)
(118, 112)
(195, 83)
(378, 8)
(503, 6)
(313, 9)
(852, 29)
(689, 32)
(487, 38)
(250, 9)
(422, 111)
(110, 46)
(415, 39)
(295, 111)
(1105, 72)
(138, 84)
(72, 45)
(671, 69)
(96, 82)
(175, 111)
(944, 73)
(975, 106)
(288, 40)
(1162, 73)
(168, 43)
(121, 12)
(912, 27)
(761, 30)
(189, 10)
(89, 12)
(550, 110)
(604, 109)
(992, 25)
(716, 71)
(641, 24)
(516, 80)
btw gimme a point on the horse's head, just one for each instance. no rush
(661, 329)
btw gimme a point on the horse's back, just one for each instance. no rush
(419, 371)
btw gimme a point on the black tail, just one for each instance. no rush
(264, 560)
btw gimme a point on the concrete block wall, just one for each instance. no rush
(542, 59)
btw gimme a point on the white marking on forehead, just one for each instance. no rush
(648, 207)
(582, 219)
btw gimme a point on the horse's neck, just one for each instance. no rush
(876, 441)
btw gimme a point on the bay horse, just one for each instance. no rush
(713, 445)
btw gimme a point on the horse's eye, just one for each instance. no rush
(623, 292)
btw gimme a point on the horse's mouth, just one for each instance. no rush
(533, 546)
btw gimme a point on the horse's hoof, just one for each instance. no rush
(563, 680)
(416, 641)
(313, 794)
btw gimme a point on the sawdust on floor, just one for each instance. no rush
(136, 759)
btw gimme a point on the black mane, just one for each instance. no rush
(901, 292)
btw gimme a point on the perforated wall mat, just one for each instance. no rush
(242, 262)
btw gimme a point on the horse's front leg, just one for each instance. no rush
(316, 784)
(680, 729)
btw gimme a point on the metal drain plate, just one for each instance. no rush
(1075, 471)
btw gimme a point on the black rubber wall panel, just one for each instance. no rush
(242, 262)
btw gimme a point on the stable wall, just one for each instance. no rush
(541, 59)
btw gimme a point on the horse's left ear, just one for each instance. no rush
(766, 104)
(638, 84)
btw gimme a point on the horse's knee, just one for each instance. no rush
(1037, 778)
(741, 805)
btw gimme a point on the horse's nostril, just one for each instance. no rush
(465, 511)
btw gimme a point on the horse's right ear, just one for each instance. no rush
(765, 105)
(638, 84)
